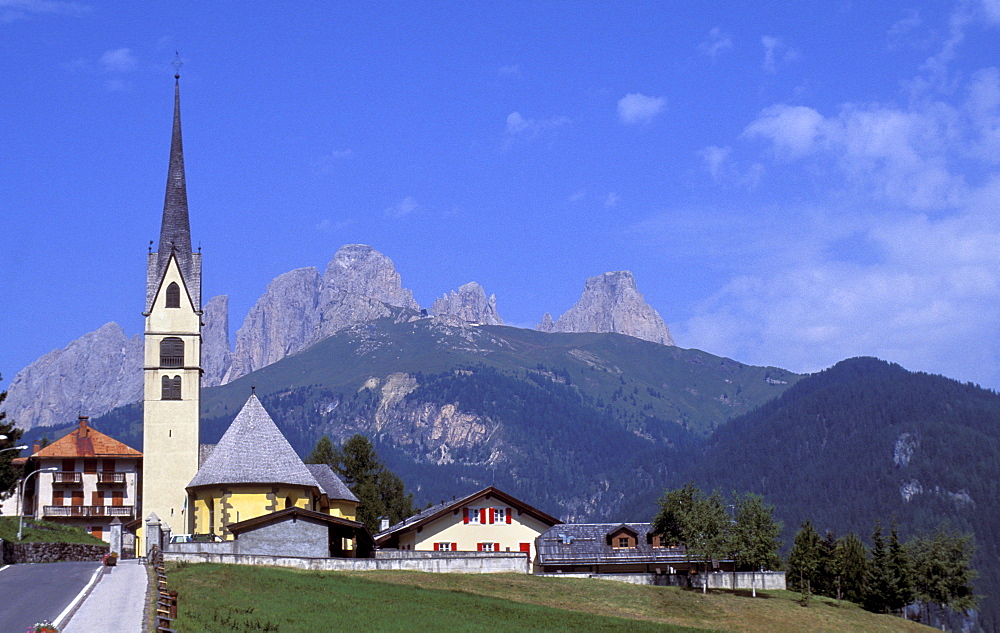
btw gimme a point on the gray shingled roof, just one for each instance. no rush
(587, 543)
(253, 451)
(330, 483)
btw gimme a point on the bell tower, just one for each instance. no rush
(172, 358)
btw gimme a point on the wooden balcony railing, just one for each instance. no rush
(88, 511)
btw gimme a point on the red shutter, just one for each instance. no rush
(479, 547)
(526, 547)
(496, 547)
(482, 515)
(465, 518)
(437, 546)
(507, 514)
(492, 515)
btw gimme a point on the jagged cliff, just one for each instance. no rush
(95, 373)
(468, 305)
(611, 303)
(300, 308)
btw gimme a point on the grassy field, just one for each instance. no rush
(227, 598)
(45, 532)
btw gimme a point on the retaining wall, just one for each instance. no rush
(49, 552)
(435, 562)
(717, 580)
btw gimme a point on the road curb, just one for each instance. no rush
(68, 612)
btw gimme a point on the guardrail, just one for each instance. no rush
(67, 477)
(110, 478)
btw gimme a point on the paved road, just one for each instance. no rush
(117, 602)
(31, 593)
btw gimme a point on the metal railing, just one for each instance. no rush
(67, 477)
(88, 511)
(110, 478)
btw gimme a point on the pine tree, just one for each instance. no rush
(323, 453)
(901, 573)
(942, 569)
(852, 567)
(879, 582)
(379, 491)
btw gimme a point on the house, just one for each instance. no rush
(253, 474)
(596, 548)
(96, 479)
(486, 521)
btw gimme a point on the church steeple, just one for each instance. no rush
(175, 230)
(175, 227)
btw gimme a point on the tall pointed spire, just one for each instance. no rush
(175, 230)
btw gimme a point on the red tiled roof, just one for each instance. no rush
(87, 442)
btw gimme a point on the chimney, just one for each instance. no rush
(383, 524)
(83, 422)
(37, 446)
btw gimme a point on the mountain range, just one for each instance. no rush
(298, 309)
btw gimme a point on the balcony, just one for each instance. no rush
(87, 511)
(110, 478)
(67, 477)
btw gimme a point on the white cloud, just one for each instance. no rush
(715, 158)
(404, 207)
(578, 196)
(119, 60)
(11, 10)
(639, 108)
(520, 126)
(794, 130)
(992, 9)
(510, 70)
(611, 200)
(776, 51)
(716, 43)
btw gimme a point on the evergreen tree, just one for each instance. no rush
(901, 573)
(379, 491)
(825, 582)
(879, 582)
(851, 558)
(805, 559)
(755, 536)
(942, 569)
(9, 475)
(323, 453)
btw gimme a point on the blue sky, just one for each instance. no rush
(792, 183)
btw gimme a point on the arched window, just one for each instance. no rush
(173, 295)
(171, 352)
(171, 388)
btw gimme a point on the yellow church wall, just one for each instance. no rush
(232, 504)
(343, 509)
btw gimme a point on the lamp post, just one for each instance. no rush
(14, 448)
(20, 522)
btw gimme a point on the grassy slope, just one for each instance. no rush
(45, 532)
(234, 598)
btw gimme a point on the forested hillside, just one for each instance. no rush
(866, 440)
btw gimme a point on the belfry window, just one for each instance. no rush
(173, 295)
(171, 352)
(171, 388)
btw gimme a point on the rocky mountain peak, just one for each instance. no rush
(361, 270)
(468, 305)
(612, 303)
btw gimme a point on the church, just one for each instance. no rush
(252, 472)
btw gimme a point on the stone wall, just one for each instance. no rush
(49, 552)
(436, 562)
(719, 580)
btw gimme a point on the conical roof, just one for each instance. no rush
(253, 451)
